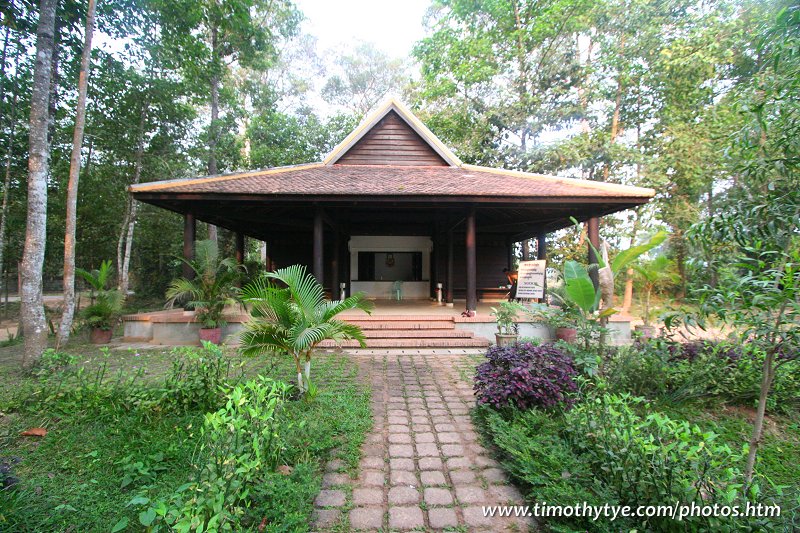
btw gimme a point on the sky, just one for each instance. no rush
(392, 26)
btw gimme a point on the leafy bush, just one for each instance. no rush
(678, 372)
(654, 459)
(53, 362)
(525, 375)
(198, 378)
(241, 445)
(547, 467)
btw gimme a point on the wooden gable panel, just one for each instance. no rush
(392, 142)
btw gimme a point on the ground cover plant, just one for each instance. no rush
(139, 439)
(656, 422)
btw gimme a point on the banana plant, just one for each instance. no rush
(294, 317)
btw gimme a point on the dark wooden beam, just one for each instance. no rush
(472, 261)
(189, 236)
(526, 250)
(593, 231)
(318, 265)
(335, 266)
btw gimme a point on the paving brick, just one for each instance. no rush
(452, 450)
(406, 518)
(427, 449)
(424, 437)
(432, 477)
(473, 517)
(397, 420)
(494, 475)
(399, 438)
(482, 460)
(334, 478)
(505, 494)
(445, 427)
(462, 477)
(403, 477)
(403, 495)
(401, 463)
(372, 478)
(372, 463)
(449, 438)
(372, 450)
(330, 498)
(398, 428)
(334, 465)
(401, 450)
(437, 496)
(470, 494)
(326, 518)
(441, 518)
(368, 496)
(430, 463)
(366, 518)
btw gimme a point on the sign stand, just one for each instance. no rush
(531, 280)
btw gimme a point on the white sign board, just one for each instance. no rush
(530, 283)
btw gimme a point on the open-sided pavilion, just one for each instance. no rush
(392, 208)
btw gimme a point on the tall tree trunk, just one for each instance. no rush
(615, 116)
(7, 177)
(32, 307)
(123, 232)
(213, 134)
(52, 105)
(627, 298)
(3, 56)
(68, 314)
(137, 176)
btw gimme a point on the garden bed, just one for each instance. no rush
(124, 439)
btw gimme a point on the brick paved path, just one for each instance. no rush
(422, 466)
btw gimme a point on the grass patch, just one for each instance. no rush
(97, 456)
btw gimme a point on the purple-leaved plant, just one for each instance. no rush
(526, 375)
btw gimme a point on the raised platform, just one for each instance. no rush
(393, 324)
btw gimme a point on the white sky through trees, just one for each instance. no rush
(392, 26)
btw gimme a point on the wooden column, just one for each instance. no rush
(267, 257)
(189, 235)
(335, 266)
(449, 283)
(510, 255)
(526, 250)
(593, 231)
(472, 260)
(317, 265)
(541, 246)
(239, 248)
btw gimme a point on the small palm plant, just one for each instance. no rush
(653, 275)
(105, 304)
(295, 317)
(213, 287)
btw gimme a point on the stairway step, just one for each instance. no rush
(403, 325)
(417, 333)
(476, 342)
(363, 317)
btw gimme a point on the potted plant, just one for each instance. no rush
(102, 313)
(506, 316)
(652, 275)
(213, 287)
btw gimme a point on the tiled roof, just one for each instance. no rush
(349, 180)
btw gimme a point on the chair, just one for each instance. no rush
(397, 290)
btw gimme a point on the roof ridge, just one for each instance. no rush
(646, 191)
(166, 184)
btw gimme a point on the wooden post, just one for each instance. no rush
(335, 267)
(526, 250)
(318, 266)
(541, 246)
(472, 270)
(449, 288)
(239, 248)
(189, 235)
(593, 230)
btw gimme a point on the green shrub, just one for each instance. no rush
(198, 378)
(546, 466)
(241, 445)
(653, 459)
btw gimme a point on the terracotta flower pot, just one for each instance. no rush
(100, 336)
(569, 335)
(212, 335)
(505, 340)
(647, 332)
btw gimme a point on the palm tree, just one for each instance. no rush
(213, 286)
(295, 318)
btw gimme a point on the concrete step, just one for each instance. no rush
(472, 342)
(416, 333)
(403, 324)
